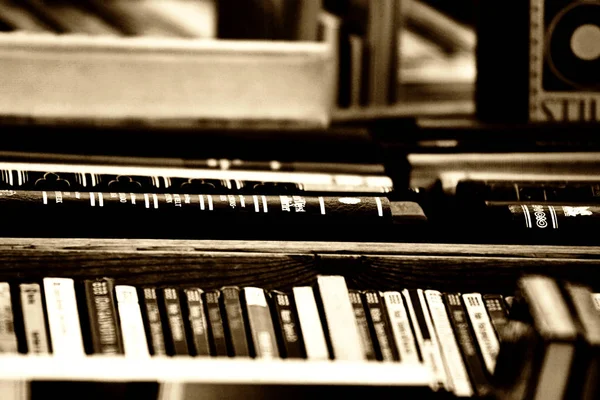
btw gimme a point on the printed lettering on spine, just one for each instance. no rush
(153, 323)
(198, 325)
(8, 338)
(380, 327)
(482, 326)
(234, 322)
(401, 329)
(177, 341)
(104, 327)
(292, 345)
(217, 331)
(564, 60)
(260, 323)
(363, 324)
(34, 319)
(494, 303)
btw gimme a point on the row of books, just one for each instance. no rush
(163, 18)
(455, 335)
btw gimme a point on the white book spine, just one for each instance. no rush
(8, 338)
(63, 317)
(310, 324)
(484, 331)
(455, 366)
(429, 350)
(400, 323)
(341, 322)
(34, 321)
(135, 342)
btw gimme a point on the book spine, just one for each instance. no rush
(234, 322)
(449, 347)
(363, 324)
(135, 343)
(596, 300)
(156, 338)
(104, 327)
(495, 306)
(34, 319)
(400, 324)
(425, 338)
(342, 329)
(380, 327)
(482, 326)
(197, 321)
(468, 345)
(174, 318)
(288, 324)
(260, 323)
(310, 324)
(63, 317)
(219, 342)
(8, 337)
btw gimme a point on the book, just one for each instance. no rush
(291, 343)
(425, 337)
(342, 332)
(131, 322)
(310, 323)
(152, 322)
(102, 313)
(8, 337)
(380, 327)
(176, 339)
(217, 331)
(467, 344)
(495, 306)
(34, 319)
(260, 323)
(401, 327)
(235, 325)
(363, 323)
(197, 321)
(63, 317)
(482, 326)
(456, 368)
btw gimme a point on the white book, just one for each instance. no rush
(343, 330)
(400, 324)
(15, 390)
(34, 320)
(8, 338)
(310, 324)
(135, 342)
(63, 317)
(432, 357)
(596, 300)
(484, 331)
(455, 366)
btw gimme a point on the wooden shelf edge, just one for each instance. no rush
(212, 370)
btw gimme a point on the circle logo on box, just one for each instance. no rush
(349, 200)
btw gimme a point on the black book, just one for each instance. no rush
(217, 331)
(363, 324)
(235, 325)
(197, 322)
(153, 322)
(385, 346)
(495, 306)
(175, 339)
(290, 336)
(467, 345)
(105, 331)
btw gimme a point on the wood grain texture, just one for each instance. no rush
(282, 265)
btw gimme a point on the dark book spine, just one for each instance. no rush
(174, 321)
(234, 322)
(102, 313)
(467, 344)
(198, 325)
(219, 342)
(291, 345)
(380, 327)
(262, 331)
(154, 328)
(363, 324)
(495, 306)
